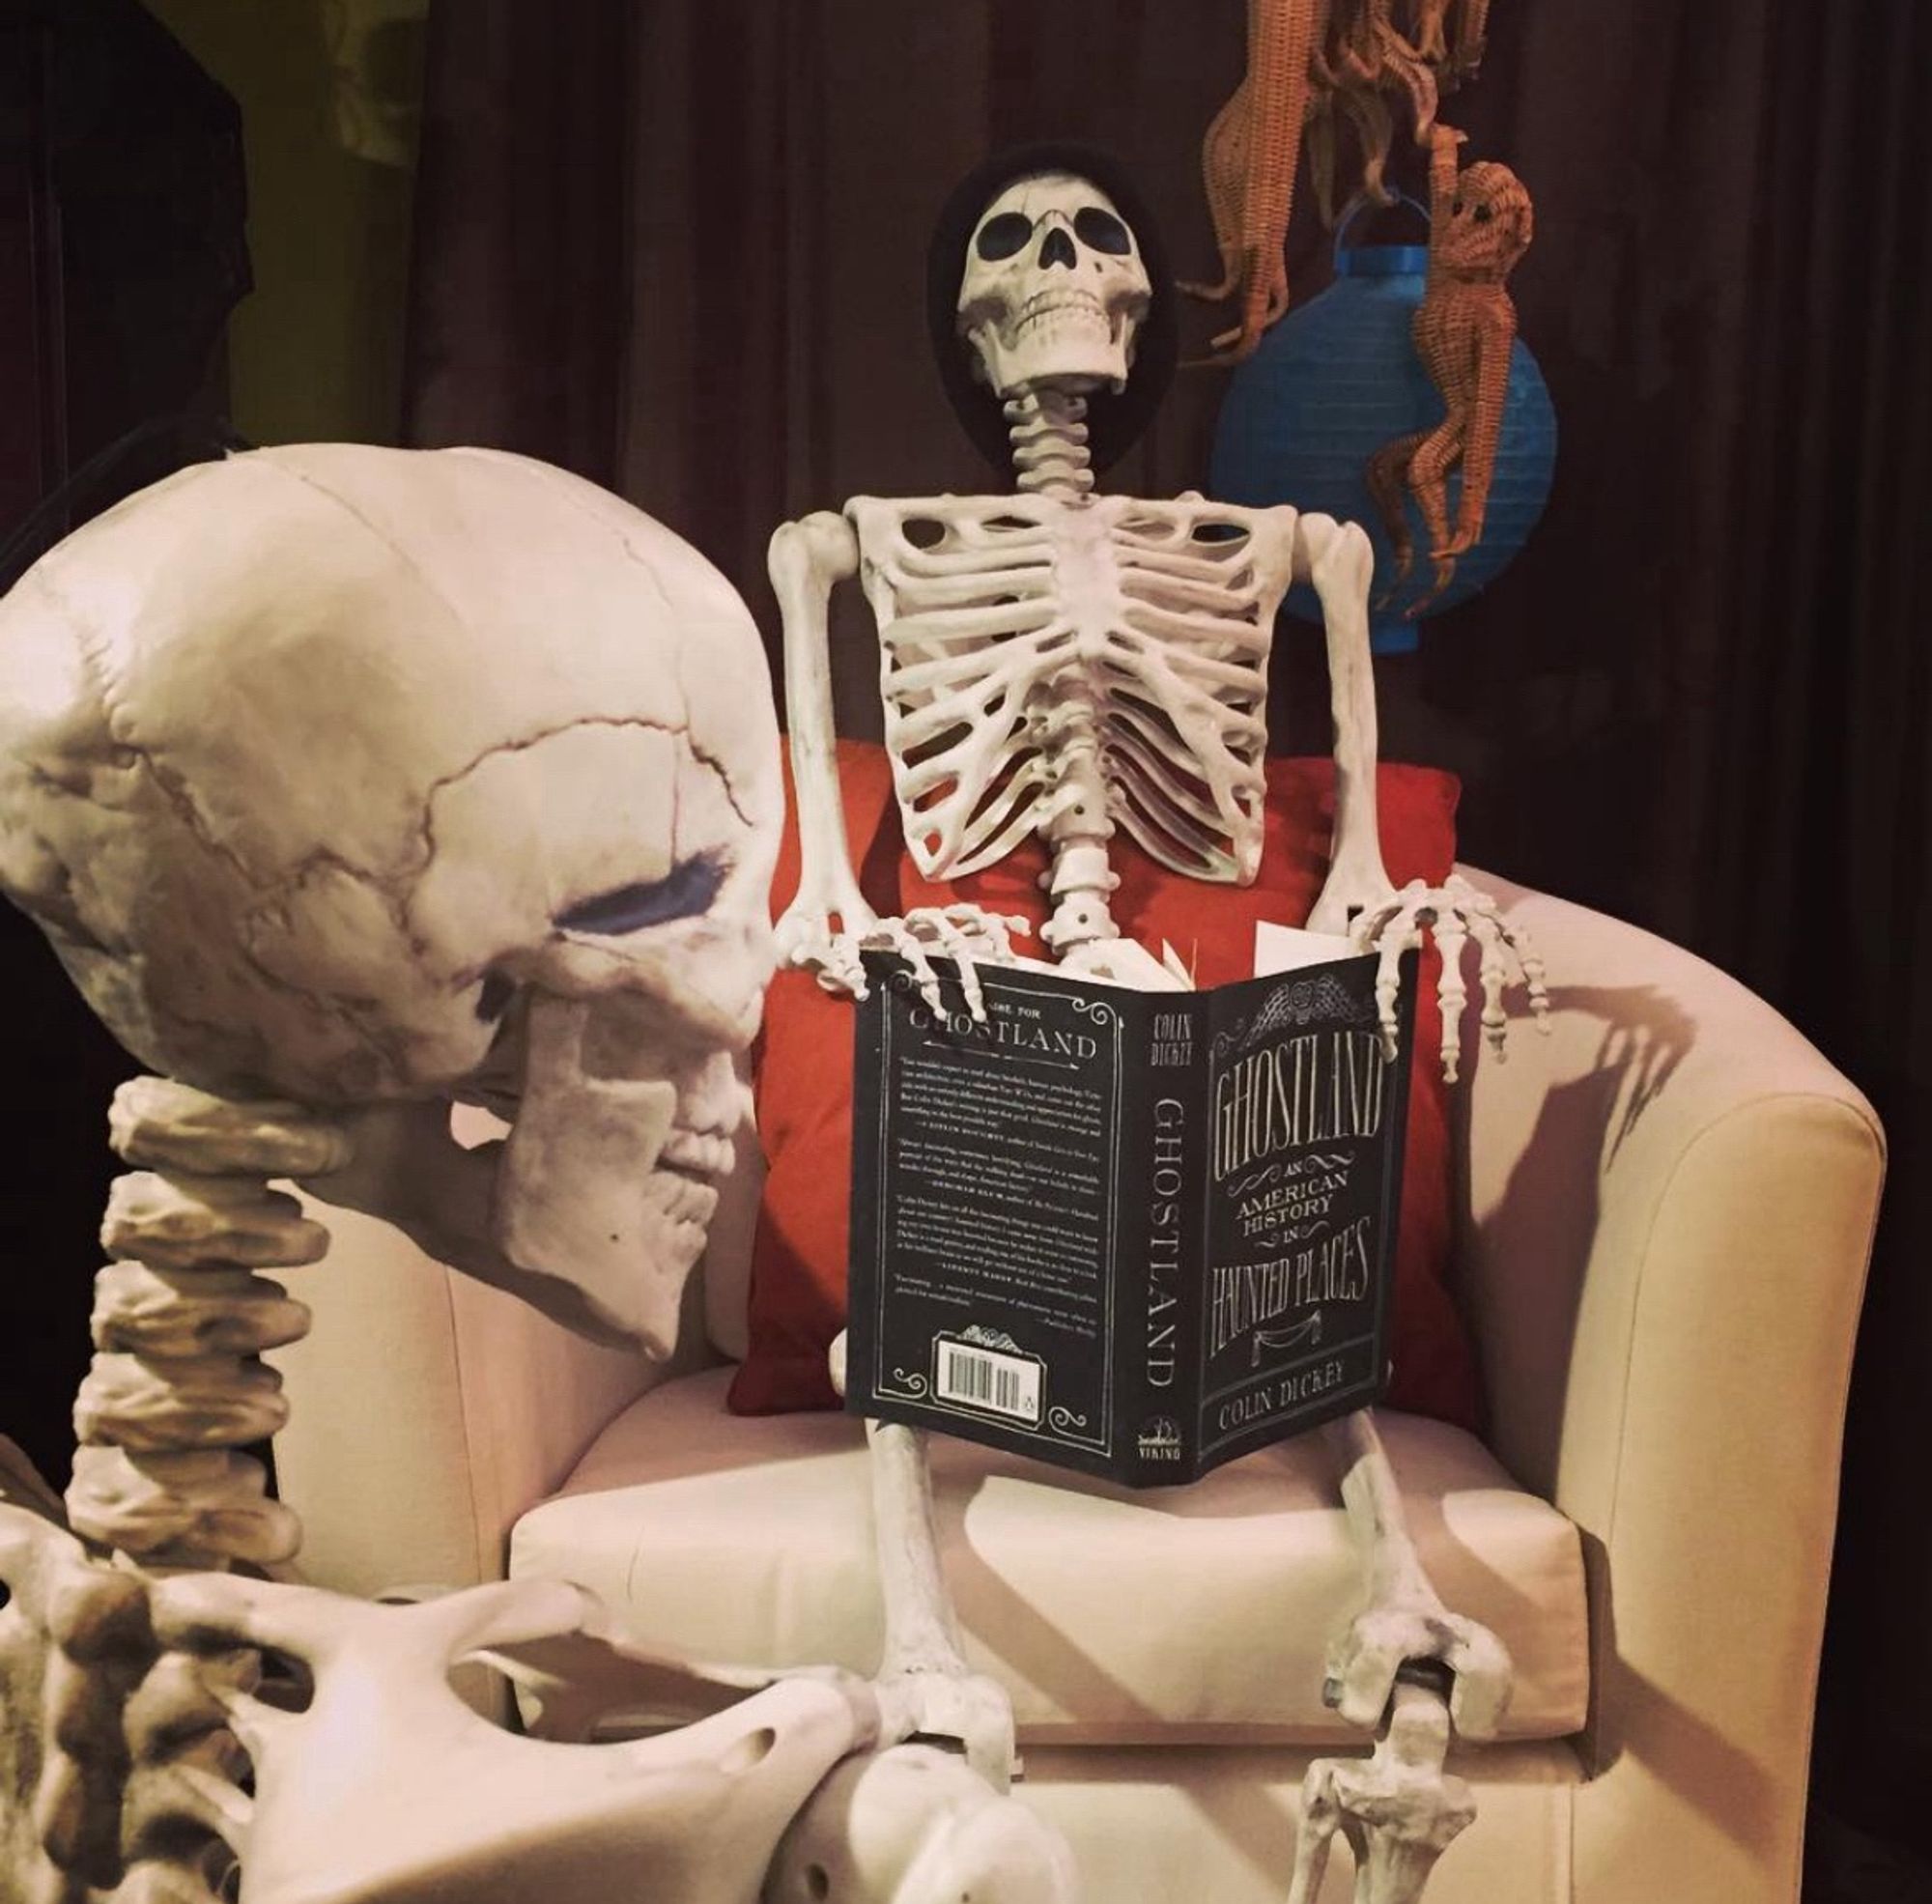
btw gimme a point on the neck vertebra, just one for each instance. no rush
(1048, 431)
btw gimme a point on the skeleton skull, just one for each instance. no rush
(358, 777)
(1054, 287)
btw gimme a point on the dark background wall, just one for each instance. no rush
(676, 244)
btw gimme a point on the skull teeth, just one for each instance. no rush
(1045, 303)
(701, 1154)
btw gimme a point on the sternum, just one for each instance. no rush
(1080, 878)
(1050, 458)
(1070, 724)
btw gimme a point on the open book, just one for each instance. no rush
(1131, 1232)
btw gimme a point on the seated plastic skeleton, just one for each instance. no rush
(481, 804)
(1068, 664)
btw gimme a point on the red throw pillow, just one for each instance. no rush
(803, 1068)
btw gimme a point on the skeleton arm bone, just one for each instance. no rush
(806, 559)
(1338, 559)
(1358, 896)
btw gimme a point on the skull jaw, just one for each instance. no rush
(609, 1239)
(1070, 349)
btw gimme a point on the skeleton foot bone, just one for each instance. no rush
(1456, 911)
(1399, 1809)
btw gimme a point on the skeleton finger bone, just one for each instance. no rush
(1455, 912)
(965, 935)
(1451, 994)
(1476, 903)
(808, 942)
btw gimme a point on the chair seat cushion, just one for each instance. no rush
(1191, 1614)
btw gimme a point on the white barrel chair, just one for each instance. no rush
(1665, 1213)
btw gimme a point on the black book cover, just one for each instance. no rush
(1134, 1234)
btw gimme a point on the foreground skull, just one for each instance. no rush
(366, 777)
(1054, 287)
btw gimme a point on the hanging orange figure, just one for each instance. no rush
(1248, 162)
(1463, 330)
(1313, 66)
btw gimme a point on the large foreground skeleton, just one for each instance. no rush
(347, 782)
(1067, 665)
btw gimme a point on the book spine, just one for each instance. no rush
(1130, 1243)
(1164, 1190)
(1196, 1140)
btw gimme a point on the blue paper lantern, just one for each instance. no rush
(1332, 382)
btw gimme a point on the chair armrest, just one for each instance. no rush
(1666, 1214)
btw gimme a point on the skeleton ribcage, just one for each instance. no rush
(1025, 642)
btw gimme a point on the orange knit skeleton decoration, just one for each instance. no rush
(1319, 66)
(1480, 225)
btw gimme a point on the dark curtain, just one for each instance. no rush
(678, 247)
(121, 253)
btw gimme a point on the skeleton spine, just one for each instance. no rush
(1048, 432)
(177, 1386)
(1047, 429)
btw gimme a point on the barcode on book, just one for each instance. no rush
(986, 1379)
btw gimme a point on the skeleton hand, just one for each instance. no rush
(1367, 1660)
(954, 1707)
(821, 932)
(963, 933)
(1455, 911)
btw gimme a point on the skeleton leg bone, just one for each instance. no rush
(1409, 1665)
(926, 1689)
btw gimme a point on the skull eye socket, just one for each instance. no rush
(1099, 229)
(1002, 236)
(687, 890)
